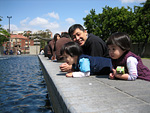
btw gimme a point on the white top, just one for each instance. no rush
(81, 74)
(42, 52)
(132, 68)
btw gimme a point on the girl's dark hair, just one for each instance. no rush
(55, 39)
(55, 36)
(74, 27)
(72, 49)
(65, 34)
(120, 39)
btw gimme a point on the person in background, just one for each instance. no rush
(52, 45)
(6, 51)
(84, 65)
(47, 50)
(18, 52)
(92, 45)
(41, 51)
(65, 38)
(11, 52)
(119, 45)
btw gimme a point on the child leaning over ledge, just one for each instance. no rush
(84, 65)
(119, 50)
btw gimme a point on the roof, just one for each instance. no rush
(18, 36)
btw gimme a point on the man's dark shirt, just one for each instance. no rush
(95, 46)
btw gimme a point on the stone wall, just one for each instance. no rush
(34, 50)
(138, 49)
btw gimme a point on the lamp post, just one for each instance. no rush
(9, 17)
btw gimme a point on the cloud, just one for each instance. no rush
(38, 21)
(23, 22)
(132, 1)
(34, 25)
(51, 25)
(12, 27)
(43, 23)
(70, 20)
(54, 15)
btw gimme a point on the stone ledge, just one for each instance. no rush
(94, 94)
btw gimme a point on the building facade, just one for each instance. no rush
(18, 43)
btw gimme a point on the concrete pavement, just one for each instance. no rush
(95, 94)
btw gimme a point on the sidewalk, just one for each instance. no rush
(146, 62)
(98, 94)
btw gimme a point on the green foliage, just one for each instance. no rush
(136, 23)
(3, 34)
(26, 34)
(45, 35)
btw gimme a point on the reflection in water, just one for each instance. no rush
(22, 86)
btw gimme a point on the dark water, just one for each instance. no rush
(22, 86)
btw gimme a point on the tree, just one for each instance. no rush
(143, 14)
(27, 33)
(3, 34)
(136, 23)
(109, 21)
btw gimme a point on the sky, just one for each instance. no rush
(56, 15)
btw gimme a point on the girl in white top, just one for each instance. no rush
(119, 50)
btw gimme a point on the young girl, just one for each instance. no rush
(119, 50)
(84, 65)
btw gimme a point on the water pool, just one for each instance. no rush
(22, 86)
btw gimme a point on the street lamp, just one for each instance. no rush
(9, 17)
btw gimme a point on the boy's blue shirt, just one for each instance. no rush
(84, 65)
(96, 65)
